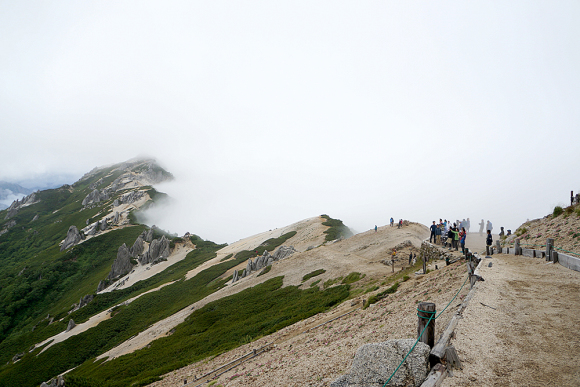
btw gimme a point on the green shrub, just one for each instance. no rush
(226, 257)
(313, 274)
(558, 211)
(405, 278)
(331, 282)
(337, 229)
(265, 270)
(379, 296)
(371, 289)
(315, 283)
(352, 277)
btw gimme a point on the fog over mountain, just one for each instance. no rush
(271, 113)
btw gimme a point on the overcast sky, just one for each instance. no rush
(271, 112)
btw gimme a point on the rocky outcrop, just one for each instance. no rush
(122, 264)
(374, 363)
(149, 236)
(138, 247)
(116, 218)
(235, 276)
(102, 285)
(35, 218)
(95, 227)
(18, 204)
(56, 382)
(72, 238)
(82, 302)
(265, 260)
(95, 196)
(132, 197)
(71, 325)
(283, 252)
(158, 249)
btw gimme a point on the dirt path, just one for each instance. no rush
(530, 338)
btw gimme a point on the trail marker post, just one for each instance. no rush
(549, 248)
(426, 310)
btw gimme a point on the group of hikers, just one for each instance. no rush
(453, 235)
(449, 234)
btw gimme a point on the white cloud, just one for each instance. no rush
(269, 113)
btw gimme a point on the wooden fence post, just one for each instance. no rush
(549, 248)
(429, 335)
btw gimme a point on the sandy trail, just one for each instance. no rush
(90, 323)
(530, 338)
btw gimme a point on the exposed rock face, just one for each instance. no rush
(72, 238)
(132, 197)
(149, 236)
(158, 249)
(283, 252)
(57, 382)
(116, 203)
(235, 276)
(122, 264)
(138, 247)
(71, 325)
(374, 363)
(95, 197)
(266, 260)
(35, 218)
(102, 285)
(117, 217)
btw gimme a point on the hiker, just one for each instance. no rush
(462, 237)
(509, 233)
(450, 237)
(400, 223)
(481, 225)
(489, 239)
(375, 228)
(489, 226)
(501, 233)
(468, 224)
(410, 257)
(433, 229)
(455, 237)
(392, 221)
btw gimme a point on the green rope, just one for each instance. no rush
(428, 322)
(408, 353)
(571, 252)
(453, 297)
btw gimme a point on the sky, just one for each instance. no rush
(268, 113)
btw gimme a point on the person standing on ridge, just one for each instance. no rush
(481, 225)
(489, 226)
(489, 239)
(375, 228)
(462, 237)
(468, 224)
(392, 221)
(433, 229)
(455, 232)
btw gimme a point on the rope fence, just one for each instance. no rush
(432, 317)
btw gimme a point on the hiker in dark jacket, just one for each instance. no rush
(449, 237)
(433, 229)
(489, 239)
